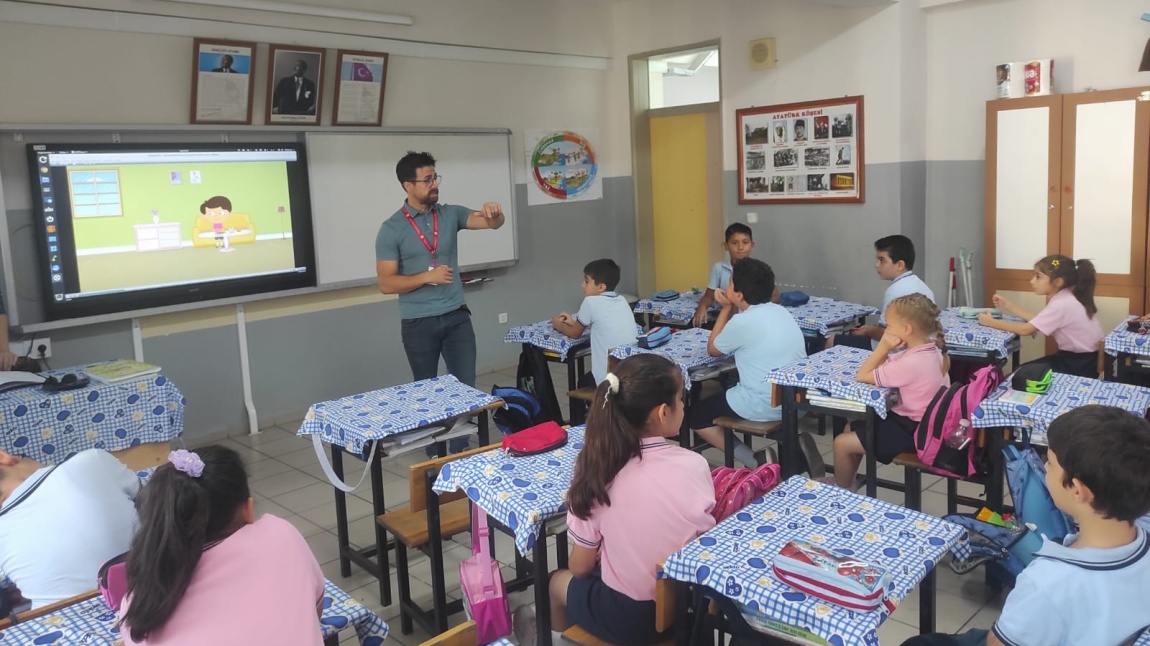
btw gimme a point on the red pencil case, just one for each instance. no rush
(837, 578)
(537, 439)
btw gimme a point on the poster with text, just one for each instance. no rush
(222, 81)
(802, 152)
(563, 166)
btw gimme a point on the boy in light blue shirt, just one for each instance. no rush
(608, 315)
(762, 336)
(1094, 589)
(894, 261)
(739, 242)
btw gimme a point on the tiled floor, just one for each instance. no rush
(286, 480)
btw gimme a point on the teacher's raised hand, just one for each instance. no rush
(491, 210)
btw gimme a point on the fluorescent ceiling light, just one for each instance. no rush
(305, 10)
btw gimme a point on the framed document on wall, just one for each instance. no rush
(359, 90)
(295, 81)
(222, 81)
(802, 152)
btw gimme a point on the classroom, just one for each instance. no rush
(873, 274)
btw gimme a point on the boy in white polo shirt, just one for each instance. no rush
(59, 524)
(894, 261)
(762, 336)
(1094, 588)
(608, 315)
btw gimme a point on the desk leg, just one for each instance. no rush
(994, 488)
(871, 462)
(340, 513)
(484, 430)
(1016, 359)
(912, 494)
(379, 507)
(790, 436)
(572, 384)
(542, 592)
(926, 603)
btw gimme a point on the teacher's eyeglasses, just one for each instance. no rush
(429, 181)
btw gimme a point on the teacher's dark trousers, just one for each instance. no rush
(448, 335)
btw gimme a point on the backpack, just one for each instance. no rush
(736, 488)
(522, 410)
(534, 377)
(1007, 549)
(949, 408)
(1026, 477)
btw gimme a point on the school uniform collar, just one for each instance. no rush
(608, 294)
(726, 264)
(652, 444)
(1114, 558)
(902, 275)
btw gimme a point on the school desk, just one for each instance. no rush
(526, 496)
(677, 313)
(49, 427)
(1127, 354)
(556, 347)
(831, 372)
(91, 622)
(366, 425)
(735, 558)
(822, 317)
(686, 349)
(967, 340)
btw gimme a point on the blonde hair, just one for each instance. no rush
(922, 313)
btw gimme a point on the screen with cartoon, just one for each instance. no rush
(131, 227)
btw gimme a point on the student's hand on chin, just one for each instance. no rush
(721, 298)
(891, 341)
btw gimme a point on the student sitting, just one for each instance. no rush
(634, 501)
(894, 261)
(762, 336)
(1069, 315)
(738, 243)
(203, 570)
(918, 372)
(1093, 588)
(59, 524)
(608, 315)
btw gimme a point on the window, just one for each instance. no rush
(684, 78)
(95, 193)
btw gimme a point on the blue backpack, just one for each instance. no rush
(1026, 477)
(522, 412)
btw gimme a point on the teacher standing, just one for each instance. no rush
(417, 257)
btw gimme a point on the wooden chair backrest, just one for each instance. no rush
(462, 635)
(48, 609)
(417, 477)
(665, 604)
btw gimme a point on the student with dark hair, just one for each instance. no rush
(1069, 315)
(739, 242)
(607, 313)
(1094, 586)
(202, 566)
(634, 501)
(894, 261)
(417, 257)
(762, 336)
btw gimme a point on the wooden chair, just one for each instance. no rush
(579, 411)
(665, 592)
(912, 494)
(430, 518)
(731, 425)
(7, 622)
(464, 634)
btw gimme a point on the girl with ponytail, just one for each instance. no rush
(202, 570)
(634, 500)
(1069, 315)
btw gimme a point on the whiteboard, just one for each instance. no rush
(354, 189)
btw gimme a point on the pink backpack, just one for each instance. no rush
(482, 585)
(736, 488)
(951, 409)
(112, 580)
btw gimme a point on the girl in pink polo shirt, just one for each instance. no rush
(634, 500)
(917, 372)
(1069, 315)
(203, 570)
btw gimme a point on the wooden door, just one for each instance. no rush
(680, 200)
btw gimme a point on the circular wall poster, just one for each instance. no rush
(563, 164)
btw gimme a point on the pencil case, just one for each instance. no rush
(654, 338)
(1137, 327)
(793, 299)
(973, 312)
(836, 578)
(665, 295)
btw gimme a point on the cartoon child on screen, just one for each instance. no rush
(217, 210)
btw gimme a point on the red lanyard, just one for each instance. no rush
(434, 230)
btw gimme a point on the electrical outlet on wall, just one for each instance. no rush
(503, 317)
(32, 348)
(752, 218)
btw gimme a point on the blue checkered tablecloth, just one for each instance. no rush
(680, 309)
(821, 314)
(687, 349)
(1066, 393)
(50, 427)
(545, 337)
(735, 557)
(352, 422)
(92, 623)
(1126, 342)
(501, 642)
(1144, 640)
(833, 372)
(964, 332)
(522, 493)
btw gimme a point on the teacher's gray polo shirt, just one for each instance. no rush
(397, 241)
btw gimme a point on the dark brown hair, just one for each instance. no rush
(1077, 276)
(616, 424)
(1106, 449)
(179, 516)
(216, 202)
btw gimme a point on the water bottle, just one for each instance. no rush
(959, 438)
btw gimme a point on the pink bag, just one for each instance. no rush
(735, 488)
(482, 585)
(112, 579)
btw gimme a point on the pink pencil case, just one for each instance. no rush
(837, 578)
